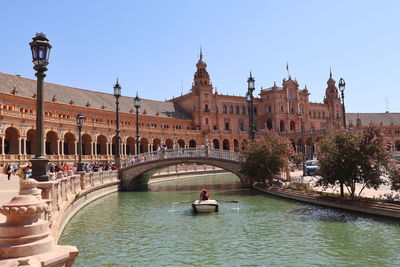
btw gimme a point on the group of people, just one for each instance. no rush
(21, 170)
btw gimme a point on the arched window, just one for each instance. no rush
(237, 110)
(282, 126)
(230, 109)
(224, 109)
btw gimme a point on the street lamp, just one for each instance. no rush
(303, 147)
(249, 99)
(79, 122)
(40, 48)
(342, 86)
(117, 94)
(136, 103)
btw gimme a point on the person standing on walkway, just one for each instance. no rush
(9, 171)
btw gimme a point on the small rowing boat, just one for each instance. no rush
(203, 206)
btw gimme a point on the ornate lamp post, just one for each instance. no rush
(40, 48)
(303, 147)
(136, 103)
(342, 86)
(79, 122)
(117, 94)
(249, 99)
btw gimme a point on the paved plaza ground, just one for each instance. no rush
(8, 189)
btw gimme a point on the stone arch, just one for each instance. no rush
(293, 145)
(137, 177)
(269, 124)
(69, 144)
(144, 145)
(225, 144)
(235, 145)
(397, 145)
(169, 143)
(87, 144)
(282, 126)
(130, 145)
(300, 145)
(244, 144)
(156, 144)
(192, 143)
(215, 143)
(292, 126)
(51, 143)
(181, 143)
(11, 146)
(114, 145)
(31, 142)
(101, 145)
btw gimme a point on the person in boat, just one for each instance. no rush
(204, 195)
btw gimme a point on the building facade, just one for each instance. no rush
(200, 117)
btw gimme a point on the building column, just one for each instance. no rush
(108, 149)
(95, 148)
(24, 140)
(19, 146)
(91, 148)
(62, 147)
(58, 147)
(44, 147)
(2, 145)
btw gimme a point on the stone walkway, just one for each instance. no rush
(8, 189)
(371, 193)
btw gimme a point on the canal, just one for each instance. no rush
(143, 229)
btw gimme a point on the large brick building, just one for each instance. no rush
(190, 120)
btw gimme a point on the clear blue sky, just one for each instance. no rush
(152, 46)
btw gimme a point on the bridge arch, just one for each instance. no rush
(137, 170)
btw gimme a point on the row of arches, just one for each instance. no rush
(282, 126)
(55, 143)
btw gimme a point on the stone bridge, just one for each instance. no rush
(137, 170)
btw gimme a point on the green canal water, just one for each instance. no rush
(143, 229)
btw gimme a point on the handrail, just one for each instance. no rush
(177, 153)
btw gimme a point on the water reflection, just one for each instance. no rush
(142, 228)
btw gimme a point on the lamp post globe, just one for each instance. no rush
(250, 84)
(137, 104)
(342, 86)
(40, 48)
(79, 122)
(249, 99)
(117, 94)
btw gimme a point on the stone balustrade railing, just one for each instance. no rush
(66, 188)
(205, 152)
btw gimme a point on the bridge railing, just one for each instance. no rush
(181, 153)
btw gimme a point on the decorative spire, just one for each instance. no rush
(330, 72)
(201, 54)
(250, 74)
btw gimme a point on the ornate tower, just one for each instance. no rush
(203, 97)
(334, 104)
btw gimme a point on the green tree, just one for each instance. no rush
(265, 157)
(394, 176)
(351, 158)
(297, 159)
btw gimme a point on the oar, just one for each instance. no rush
(181, 202)
(228, 201)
